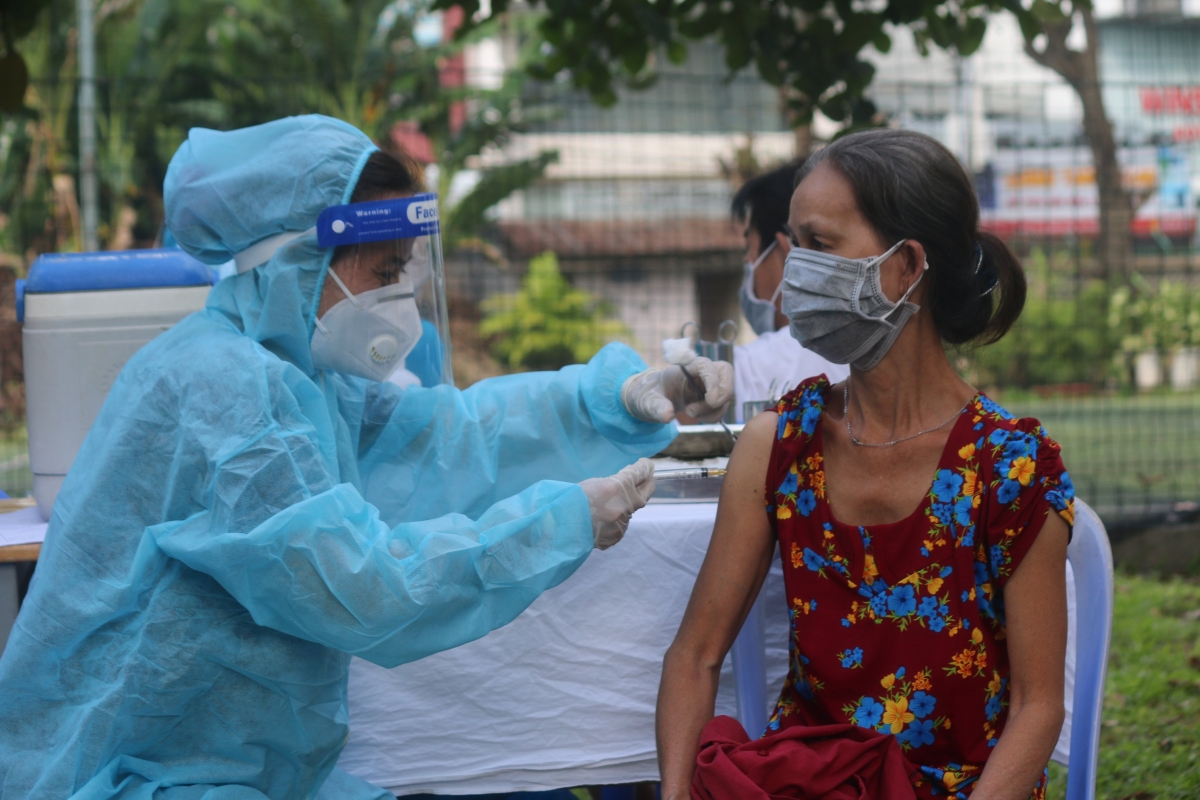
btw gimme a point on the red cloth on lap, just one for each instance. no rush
(826, 762)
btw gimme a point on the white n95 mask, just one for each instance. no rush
(837, 307)
(369, 334)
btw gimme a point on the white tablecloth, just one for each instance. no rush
(24, 526)
(564, 696)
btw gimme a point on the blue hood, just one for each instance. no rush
(226, 191)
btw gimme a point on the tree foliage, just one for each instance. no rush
(165, 66)
(548, 323)
(812, 48)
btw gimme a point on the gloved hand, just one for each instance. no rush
(657, 395)
(614, 499)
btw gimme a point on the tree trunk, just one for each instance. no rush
(801, 131)
(1114, 247)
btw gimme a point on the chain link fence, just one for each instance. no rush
(635, 208)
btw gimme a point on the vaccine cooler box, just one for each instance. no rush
(84, 316)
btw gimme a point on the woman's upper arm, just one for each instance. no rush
(1035, 604)
(740, 551)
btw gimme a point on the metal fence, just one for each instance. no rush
(636, 210)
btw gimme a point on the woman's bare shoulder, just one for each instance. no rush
(757, 437)
(751, 457)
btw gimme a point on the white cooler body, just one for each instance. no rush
(75, 345)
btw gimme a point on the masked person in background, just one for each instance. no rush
(774, 363)
(253, 506)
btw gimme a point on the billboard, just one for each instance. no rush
(1051, 192)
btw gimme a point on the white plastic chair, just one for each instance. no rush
(1091, 559)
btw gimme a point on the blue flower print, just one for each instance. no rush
(1008, 490)
(852, 657)
(902, 601)
(921, 704)
(998, 437)
(808, 423)
(946, 571)
(813, 560)
(992, 407)
(806, 501)
(992, 709)
(869, 590)
(1020, 444)
(879, 604)
(1063, 494)
(947, 485)
(919, 732)
(783, 421)
(869, 713)
(962, 511)
(937, 624)
(790, 482)
(900, 673)
(997, 555)
(928, 607)
(981, 574)
(968, 537)
(944, 512)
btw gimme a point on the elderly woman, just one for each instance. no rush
(923, 529)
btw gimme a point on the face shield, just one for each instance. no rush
(400, 329)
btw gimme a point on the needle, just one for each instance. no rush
(687, 473)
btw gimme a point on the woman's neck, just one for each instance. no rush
(913, 387)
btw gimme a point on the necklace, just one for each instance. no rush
(846, 413)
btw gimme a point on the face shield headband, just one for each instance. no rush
(371, 334)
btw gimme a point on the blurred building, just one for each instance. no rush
(1018, 125)
(637, 205)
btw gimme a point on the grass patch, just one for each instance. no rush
(1150, 740)
(1124, 452)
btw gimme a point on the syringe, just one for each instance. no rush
(689, 473)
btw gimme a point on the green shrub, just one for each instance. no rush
(1149, 317)
(1062, 336)
(548, 323)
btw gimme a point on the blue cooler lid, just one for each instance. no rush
(107, 271)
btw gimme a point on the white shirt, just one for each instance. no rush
(773, 364)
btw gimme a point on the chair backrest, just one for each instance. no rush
(1091, 559)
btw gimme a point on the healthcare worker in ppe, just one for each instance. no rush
(253, 506)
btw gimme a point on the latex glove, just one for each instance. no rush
(657, 395)
(614, 499)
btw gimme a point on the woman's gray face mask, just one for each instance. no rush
(837, 307)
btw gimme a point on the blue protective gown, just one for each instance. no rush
(237, 524)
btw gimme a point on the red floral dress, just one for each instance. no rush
(900, 627)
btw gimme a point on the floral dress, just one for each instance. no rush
(900, 627)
